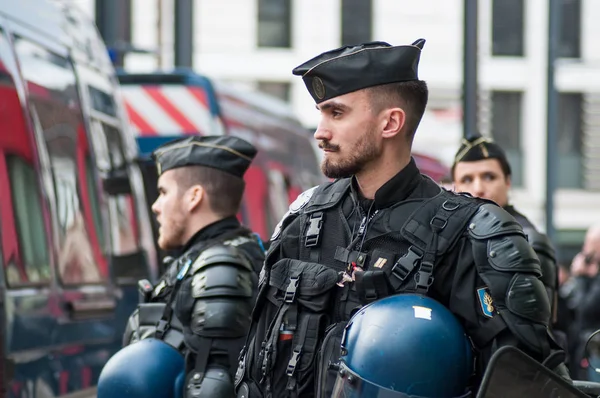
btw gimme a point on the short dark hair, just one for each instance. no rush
(411, 96)
(224, 190)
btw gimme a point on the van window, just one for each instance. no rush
(24, 230)
(109, 148)
(127, 234)
(115, 145)
(53, 96)
(27, 206)
(102, 102)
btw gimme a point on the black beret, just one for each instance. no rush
(230, 154)
(352, 68)
(481, 148)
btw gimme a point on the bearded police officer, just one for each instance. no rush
(202, 305)
(481, 168)
(382, 228)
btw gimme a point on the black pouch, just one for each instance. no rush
(314, 285)
(301, 292)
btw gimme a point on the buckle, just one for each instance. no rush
(406, 264)
(161, 328)
(290, 292)
(291, 367)
(425, 274)
(314, 229)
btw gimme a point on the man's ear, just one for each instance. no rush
(194, 196)
(393, 121)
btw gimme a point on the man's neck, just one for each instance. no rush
(370, 180)
(199, 223)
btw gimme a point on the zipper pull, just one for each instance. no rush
(363, 226)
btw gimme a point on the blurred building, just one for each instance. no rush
(258, 42)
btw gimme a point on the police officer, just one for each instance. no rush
(482, 169)
(202, 304)
(382, 228)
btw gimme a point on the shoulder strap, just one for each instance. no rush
(432, 230)
(327, 195)
(312, 216)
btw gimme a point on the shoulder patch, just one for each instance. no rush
(486, 302)
(302, 200)
(297, 205)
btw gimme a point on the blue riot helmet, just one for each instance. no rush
(149, 368)
(404, 346)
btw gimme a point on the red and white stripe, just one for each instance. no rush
(169, 110)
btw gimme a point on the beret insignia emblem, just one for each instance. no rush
(318, 87)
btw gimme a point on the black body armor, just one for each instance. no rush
(330, 255)
(202, 307)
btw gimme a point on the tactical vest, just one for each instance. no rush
(155, 318)
(302, 311)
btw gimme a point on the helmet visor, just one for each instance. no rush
(349, 385)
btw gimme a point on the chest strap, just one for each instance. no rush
(313, 234)
(425, 233)
(313, 216)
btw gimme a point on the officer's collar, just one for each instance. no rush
(520, 217)
(212, 231)
(396, 189)
(510, 209)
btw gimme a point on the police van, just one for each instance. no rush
(75, 234)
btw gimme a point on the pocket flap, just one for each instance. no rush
(314, 278)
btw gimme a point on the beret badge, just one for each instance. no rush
(318, 87)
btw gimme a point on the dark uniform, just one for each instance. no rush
(202, 304)
(581, 295)
(481, 148)
(548, 262)
(335, 251)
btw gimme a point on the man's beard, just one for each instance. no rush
(364, 151)
(174, 239)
